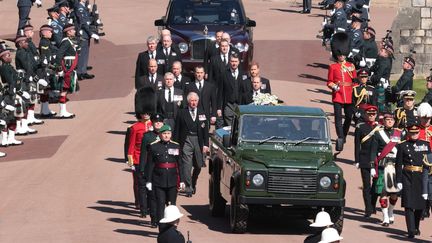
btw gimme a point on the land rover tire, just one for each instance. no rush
(239, 214)
(216, 202)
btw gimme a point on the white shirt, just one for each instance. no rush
(234, 73)
(226, 58)
(167, 92)
(167, 51)
(193, 115)
(256, 93)
(152, 53)
(197, 83)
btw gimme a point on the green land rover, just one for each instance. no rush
(275, 158)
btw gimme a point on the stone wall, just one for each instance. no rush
(412, 30)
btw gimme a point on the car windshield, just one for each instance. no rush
(284, 128)
(205, 12)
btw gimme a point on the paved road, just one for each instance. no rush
(71, 184)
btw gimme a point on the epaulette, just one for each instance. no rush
(156, 141)
(174, 142)
(370, 86)
(359, 124)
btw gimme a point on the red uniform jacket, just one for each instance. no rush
(136, 134)
(342, 75)
(426, 135)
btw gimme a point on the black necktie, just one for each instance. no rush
(224, 59)
(199, 86)
(151, 55)
(151, 78)
(166, 51)
(177, 80)
(169, 96)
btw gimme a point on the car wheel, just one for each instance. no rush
(239, 214)
(216, 202)
(337, 217)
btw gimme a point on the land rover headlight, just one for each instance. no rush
(325, 182)
(241, 47)
(183, 47)
(257, 180)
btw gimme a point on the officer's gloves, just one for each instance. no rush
(38, 3)
(335, 88)
(149, 186)
(9, 108)
(362, 63)
(373, 172)
(182, 186)
(384, 83)
(60, 74)
(95, 36)
(425, 196)
(357, 165)
(26, 95)
(357, 114)
(399, 186)
(2, 123)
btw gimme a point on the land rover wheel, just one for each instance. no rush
(336, 215)
(216, 202)
(239, 214)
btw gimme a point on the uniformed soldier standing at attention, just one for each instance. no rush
(409, 171)
(428, 96)
(405, 82)
(24, 7)
(407, 114)
(57, 26)
(168, 230)
(363, 137)
(363, 94)
(164, 170)
(147, 197)
(338, 21)
(67, 59)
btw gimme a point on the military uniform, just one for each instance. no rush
(405, 82)
(356, 44)
(57, 36)
(409, 169)
(404, 117)
(169, 234)
(83, 16)
(363, 95)
(363, 137)
(163, 173)
(24, 7)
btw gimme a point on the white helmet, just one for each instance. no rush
(322, 219)
(330, 235)
(171, 214)
(424, 110)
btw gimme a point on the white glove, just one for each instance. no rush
(89, 7)
(425, 196)
(182, 186)
(362, 63)
(357, 165)
(133, 168)
(9, 108)
(149, 186)
(31, 79)
(60, 74)
(384, 83)
(399, 186)
(336, 88)
(373, 172)
(2, 123)
(95, 36)
(26, 95)
(38, 2)
(358, 114)
(43, 82)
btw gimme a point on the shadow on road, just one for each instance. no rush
(116, 160)
(345, 161)
(393, 233)
(130, 221)
(117, 132)
(137, 232)
(309, 76)
(286, 10)
(116, 203)
(405, 239)
(129, 122)
(274, 224)
(321, 101)
(115, 210)
(318, 65)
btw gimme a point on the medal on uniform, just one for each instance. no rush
(173, 151)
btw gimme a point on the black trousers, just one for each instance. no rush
(135, 176)
(147, 198)
(367, 189)
(23, 14)
(412, 219)
(307, 5)
(342, 130)
(164, 196)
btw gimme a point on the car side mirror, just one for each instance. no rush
(159, 22)
(250, 23)
(226, 140)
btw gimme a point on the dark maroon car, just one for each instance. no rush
(193, 24)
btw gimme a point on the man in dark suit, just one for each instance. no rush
(206, 92)
(180, 81)
(166, 55)
(249, 92)
(213, 49)
(254, 71)
(229, 92)
(141, 68)
(219, 63)
(169, 100)
(153, 79)
(192, 132)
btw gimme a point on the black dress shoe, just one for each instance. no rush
(89, 67)
(143, 215)
(305, 12)
(188, 194)
(367, 214)
(385, 224)
(193, 190)
(87, 76)
(153, 224)
(410, 235)
(417, 232)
